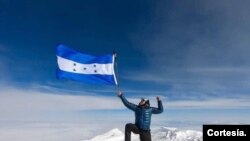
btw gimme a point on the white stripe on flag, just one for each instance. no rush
(75, 67)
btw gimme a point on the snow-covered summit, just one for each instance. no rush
(158, 134)
(173, 134)
(112, 135)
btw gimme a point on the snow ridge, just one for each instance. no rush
(158, 134)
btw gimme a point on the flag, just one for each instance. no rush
(83, 67)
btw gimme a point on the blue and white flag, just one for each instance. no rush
(78, 66)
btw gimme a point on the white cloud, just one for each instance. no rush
(218, 77)
(44, 101)
(16, 102)
(35, 116)
(51, 131)
(215, 103)
(197, 83)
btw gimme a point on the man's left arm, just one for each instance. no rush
(160, 107)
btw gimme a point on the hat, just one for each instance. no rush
(144, 102)
(147, 102)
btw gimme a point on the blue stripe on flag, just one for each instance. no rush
(83, 58)
(92, 78)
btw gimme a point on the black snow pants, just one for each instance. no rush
(144, 135)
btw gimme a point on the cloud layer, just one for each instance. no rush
(30, 104)
(196, 49)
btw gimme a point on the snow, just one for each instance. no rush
(158, 134)
(83, 132)
(113, 135)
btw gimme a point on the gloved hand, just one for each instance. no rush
(158, 98)
(119, 93)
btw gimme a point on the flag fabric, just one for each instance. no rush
(83, 67)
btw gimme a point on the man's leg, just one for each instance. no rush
(130, 128)
(145, 136)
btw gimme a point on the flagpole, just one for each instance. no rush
(116, 71)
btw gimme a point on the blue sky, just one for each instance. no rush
(193, 54)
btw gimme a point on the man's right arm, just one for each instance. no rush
(129, 105)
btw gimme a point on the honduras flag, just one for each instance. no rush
(82, 67)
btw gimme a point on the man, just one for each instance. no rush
(143, 113)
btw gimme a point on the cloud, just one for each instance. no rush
(216, 103)
(36, 115)
(16, 103)
(197, 33)
(196, 50)
(52, 131)
(198, 83)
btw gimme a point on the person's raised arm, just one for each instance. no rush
(129, 105)
(160, 106)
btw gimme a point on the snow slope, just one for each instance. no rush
(158, 134)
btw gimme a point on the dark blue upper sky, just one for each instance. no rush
(177, 49)
(30, 31)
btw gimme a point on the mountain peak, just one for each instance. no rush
(158, 134)
(112, 135)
